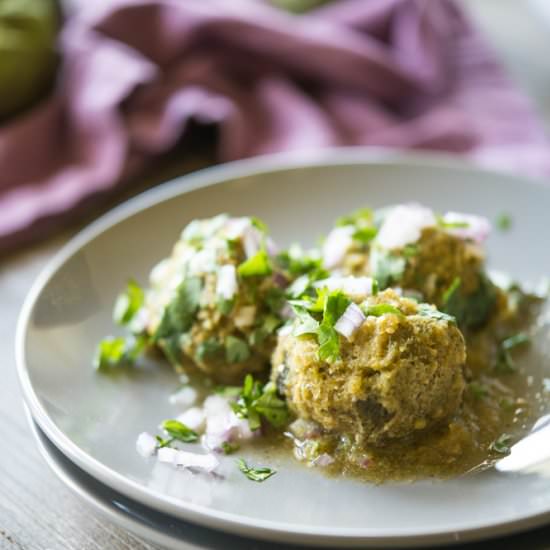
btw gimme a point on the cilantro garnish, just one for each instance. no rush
(236, 350)
(451, 291)
(208, 349)
(361, 217)
(505, 363)
(473, 309)
(179, 431)
(229, 448)
(451, 225)
(503, 222)
(255, 474)
(306, 324)
(257, 265)
(256, 402)
(180, 312)
(296, 262)
(377, 310)
(259, 224)
(426, 310)
(335, 304)
(502, 444)
(318, 316)
(375, 287)
(365, 234)
(225, 306)
(114, 352)
(267, 327)
(128, 303)
(387, 268)
(516, 340)
(478, 390)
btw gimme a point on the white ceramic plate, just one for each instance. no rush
(94, 419)
(174, 534)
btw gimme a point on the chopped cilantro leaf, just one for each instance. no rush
(259, 224)
(255, 474)
(410, 250)
(172, 348)
(271, 407)
(387, 268)
(478, 390)
(225, 306)
(332, 305)
(209, 349)
(305, 324)
(298, 287)
(364, 234)
(236, 350)
(255, 402)
(502, 444)
(473, 309)
(361, 217)
(505, 363)
(275, 299)
(452, 290)
(257, 265)
(296, 262)
(114, 352)
(161, 442)
(179, 431)
(516, 340)
(329, 344)
(503, 222)
(335, 305)
(180, 312)
(128, 303)
(229, 448)
(228, 391)
(377, 310)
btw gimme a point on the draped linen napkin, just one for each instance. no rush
(135, 73)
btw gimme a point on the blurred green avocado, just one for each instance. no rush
(28, 59)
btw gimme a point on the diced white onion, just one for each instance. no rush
(203, 261)
(404, 224)
(226, 285)
(146, 444)
(252, 240)
(337, 243)
(477, 229)
(354, 286)
(185, 459)
(186, 397)
(285, 330)
(166, 454)
(350, 321)
(235, 227)
(271, 247)
(161, 272)
(323, 460)
(193, 418)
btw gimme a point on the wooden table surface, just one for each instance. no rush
(36, 511)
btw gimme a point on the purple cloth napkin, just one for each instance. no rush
(396, 73)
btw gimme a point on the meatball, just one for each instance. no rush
(399, 373)
(215, 303)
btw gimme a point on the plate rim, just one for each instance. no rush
(204, 515)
